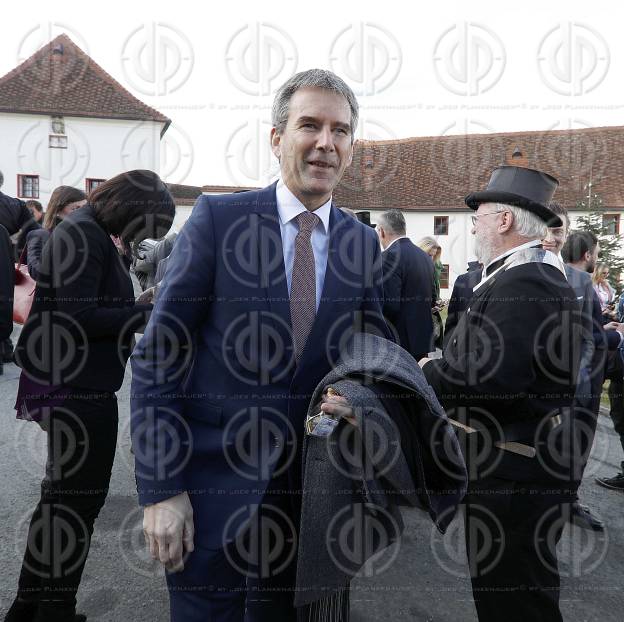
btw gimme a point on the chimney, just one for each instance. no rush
(517, 158)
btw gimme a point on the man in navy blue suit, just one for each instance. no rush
(262, 289)
(408, 282)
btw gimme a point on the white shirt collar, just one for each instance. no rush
(289, 206)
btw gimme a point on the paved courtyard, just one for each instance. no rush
(423, 579)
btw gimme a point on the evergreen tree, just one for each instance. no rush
(610, 244)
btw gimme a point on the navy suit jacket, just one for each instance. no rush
(217, 398)
(408, 282)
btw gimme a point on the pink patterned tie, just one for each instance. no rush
(303, 283)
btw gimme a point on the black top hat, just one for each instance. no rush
(523, 187)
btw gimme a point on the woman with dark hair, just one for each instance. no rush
(73, 351)
(64, 200)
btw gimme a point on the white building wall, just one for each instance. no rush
(457, 246)
(96, 148)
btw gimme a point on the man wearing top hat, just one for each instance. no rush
(506, 376)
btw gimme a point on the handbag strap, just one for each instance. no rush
(21, 257)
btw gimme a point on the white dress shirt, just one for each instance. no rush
(288, 208)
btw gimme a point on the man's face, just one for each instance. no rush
(593, 259)
(555, 238)
(485, 231)
(314, 147)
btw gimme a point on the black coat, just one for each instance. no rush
(7, 283)
(35, 241)
(513, 360)
(460, 299)
(81, 327)
(13, 214)
(408, 279)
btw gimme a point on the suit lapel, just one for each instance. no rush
(265, 227)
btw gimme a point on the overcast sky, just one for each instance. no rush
(451, 68)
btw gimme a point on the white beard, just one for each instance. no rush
(483, 249)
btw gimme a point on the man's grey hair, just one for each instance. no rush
(312, 78)
(525, 223)
(393, 221)
(1, 179)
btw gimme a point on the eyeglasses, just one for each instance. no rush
(477, 216)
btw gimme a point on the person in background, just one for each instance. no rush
(36, 209)
(461, 295)
(434, 250)
(604, 291)
(581, 252)
(147, 258)
(88, 298)
(510, 367)
(582, 422)
(13, 212)
(14, 215)
(408, 278)
(7, 284)
(63, 201)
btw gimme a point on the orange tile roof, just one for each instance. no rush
(60, 79)
(436, 172)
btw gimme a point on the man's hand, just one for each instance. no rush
(169, 531)
(149, 295)
(338, 406)
(615, 326)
